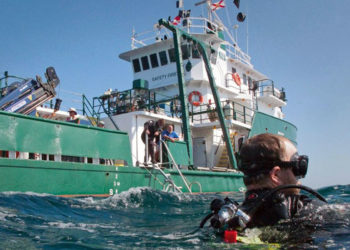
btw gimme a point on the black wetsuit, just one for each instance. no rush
(153, 127)
(276, 207)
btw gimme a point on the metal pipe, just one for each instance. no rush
(146, 146)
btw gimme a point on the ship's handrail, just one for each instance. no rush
(195, 25)
(129, 101)
(176, 166)
(267, 87)
(206, 113)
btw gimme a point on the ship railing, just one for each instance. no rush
(192, 25)
(230, 83)
(206, 113)
(115, 103)
(235, 52)
(267, 88)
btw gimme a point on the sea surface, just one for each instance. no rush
(144, 218)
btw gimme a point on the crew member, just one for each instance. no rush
(101, 124)
(153, 130)
(73, 116)
(170, 134)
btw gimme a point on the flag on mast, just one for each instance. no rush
(217, 5)
(176, 20)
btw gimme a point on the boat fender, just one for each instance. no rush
(236, 78)
(199, 98)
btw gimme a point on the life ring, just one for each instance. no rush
(236, 78)
(199, 97)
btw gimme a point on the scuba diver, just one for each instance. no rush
(272, 169)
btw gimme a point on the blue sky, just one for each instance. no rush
(301, 45)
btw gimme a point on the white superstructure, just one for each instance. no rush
(153, 60)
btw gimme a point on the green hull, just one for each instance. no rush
(78, 179)
(19, 133)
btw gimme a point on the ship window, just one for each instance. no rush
(172, 55)
(195, 53)
(163, 58)
(154, 60)
(250, 81)
(244, 79)
(222, 56)
(185, 52)
(145, 63)
(136, 64)
(213, 57)
(72, 158)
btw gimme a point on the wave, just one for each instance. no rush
(145, 218)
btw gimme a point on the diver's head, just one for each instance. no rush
(269, 160)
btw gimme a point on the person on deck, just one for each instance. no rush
(153, 130)
(269, 161)
(101, 124)
(73, 116)
(170, 134)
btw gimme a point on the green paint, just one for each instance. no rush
(264, 123)
(182, 87)
(203, 50)
(36, 135)
(62, 178)
(178, 150)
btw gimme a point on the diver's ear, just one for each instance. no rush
(275, 176)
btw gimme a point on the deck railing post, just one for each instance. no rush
(160, 149)
(244, 113)
(146, 147)
(234, 111)
(83, 99)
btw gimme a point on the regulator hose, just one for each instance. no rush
(263, 199)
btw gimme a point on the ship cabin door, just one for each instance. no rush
(199, 152)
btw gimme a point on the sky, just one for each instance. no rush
(302, 45)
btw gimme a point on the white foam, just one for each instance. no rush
(6, 214)
(80, 226)
(8, 193)
(169, 236)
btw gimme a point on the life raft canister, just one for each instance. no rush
(236, 78)
(199, 98)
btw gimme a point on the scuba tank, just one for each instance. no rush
(228, 215)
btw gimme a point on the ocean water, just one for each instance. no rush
(145, 218)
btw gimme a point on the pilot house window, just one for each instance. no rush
(244, 79)
(185, 52)
(195, 53)
(145, 63)
(154, 60)
(172, 55)
(136, 64)
(163, 58)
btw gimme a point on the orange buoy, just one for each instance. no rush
(236, 78)
(199, 98)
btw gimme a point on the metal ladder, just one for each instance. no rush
(177, 167)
